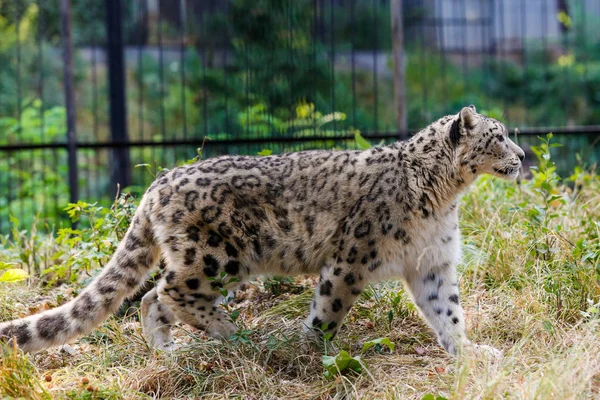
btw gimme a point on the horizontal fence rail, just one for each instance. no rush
(577, 130)
(367, 135)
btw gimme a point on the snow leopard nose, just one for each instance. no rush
(516, 149)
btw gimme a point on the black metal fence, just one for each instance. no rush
(152, 79)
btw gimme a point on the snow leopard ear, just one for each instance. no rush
(468, 117)
(466, 121)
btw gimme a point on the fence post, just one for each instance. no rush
(399, 70)
(120, 163)
(65, 29)
(563, 7)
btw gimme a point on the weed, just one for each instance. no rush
(18, 375)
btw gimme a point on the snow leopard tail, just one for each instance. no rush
(128, 268)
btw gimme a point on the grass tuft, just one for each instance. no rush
(18, 375)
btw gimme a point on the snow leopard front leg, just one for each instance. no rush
(436, 293)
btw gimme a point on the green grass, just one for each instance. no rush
(530, 281)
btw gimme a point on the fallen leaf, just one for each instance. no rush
(39, 308)
(367, 324)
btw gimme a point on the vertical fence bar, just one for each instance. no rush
(203, 32)
(547, 60)
(18, 80)
(121, 166)
(523, 13)
(564, 35)
(353, 60)
(19, 88)
(65, 24)
(40, 94)
(140, 77)
(161, 74)
(375, 72)
(314, 32)
(182, 59)
(399, 78)
(332, 58)
(438, 24)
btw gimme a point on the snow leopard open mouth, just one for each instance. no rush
(506, 171)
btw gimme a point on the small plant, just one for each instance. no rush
(545, 182)
(430, 396)
(221, 282)
(342, 363)
(281, 284)
(360, 141)
(545, 178)
(242, 336)
(265, 152)
(154, 170)
(593, 311)
(379, 344)
(18, 376)
(90, 246)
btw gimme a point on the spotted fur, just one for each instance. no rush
(351, 216)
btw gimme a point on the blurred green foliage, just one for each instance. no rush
(279, 79)
(33, 177)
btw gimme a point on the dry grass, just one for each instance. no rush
(526, 283)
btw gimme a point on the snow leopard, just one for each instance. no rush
(351, 216)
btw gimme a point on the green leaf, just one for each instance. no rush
(361, 142)
(381, 341)
(589, 255)
(265, 152)
(548, 326)
(343, 362)
(14, 275)
(430, 396)
(5, 265)
(14, 221)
